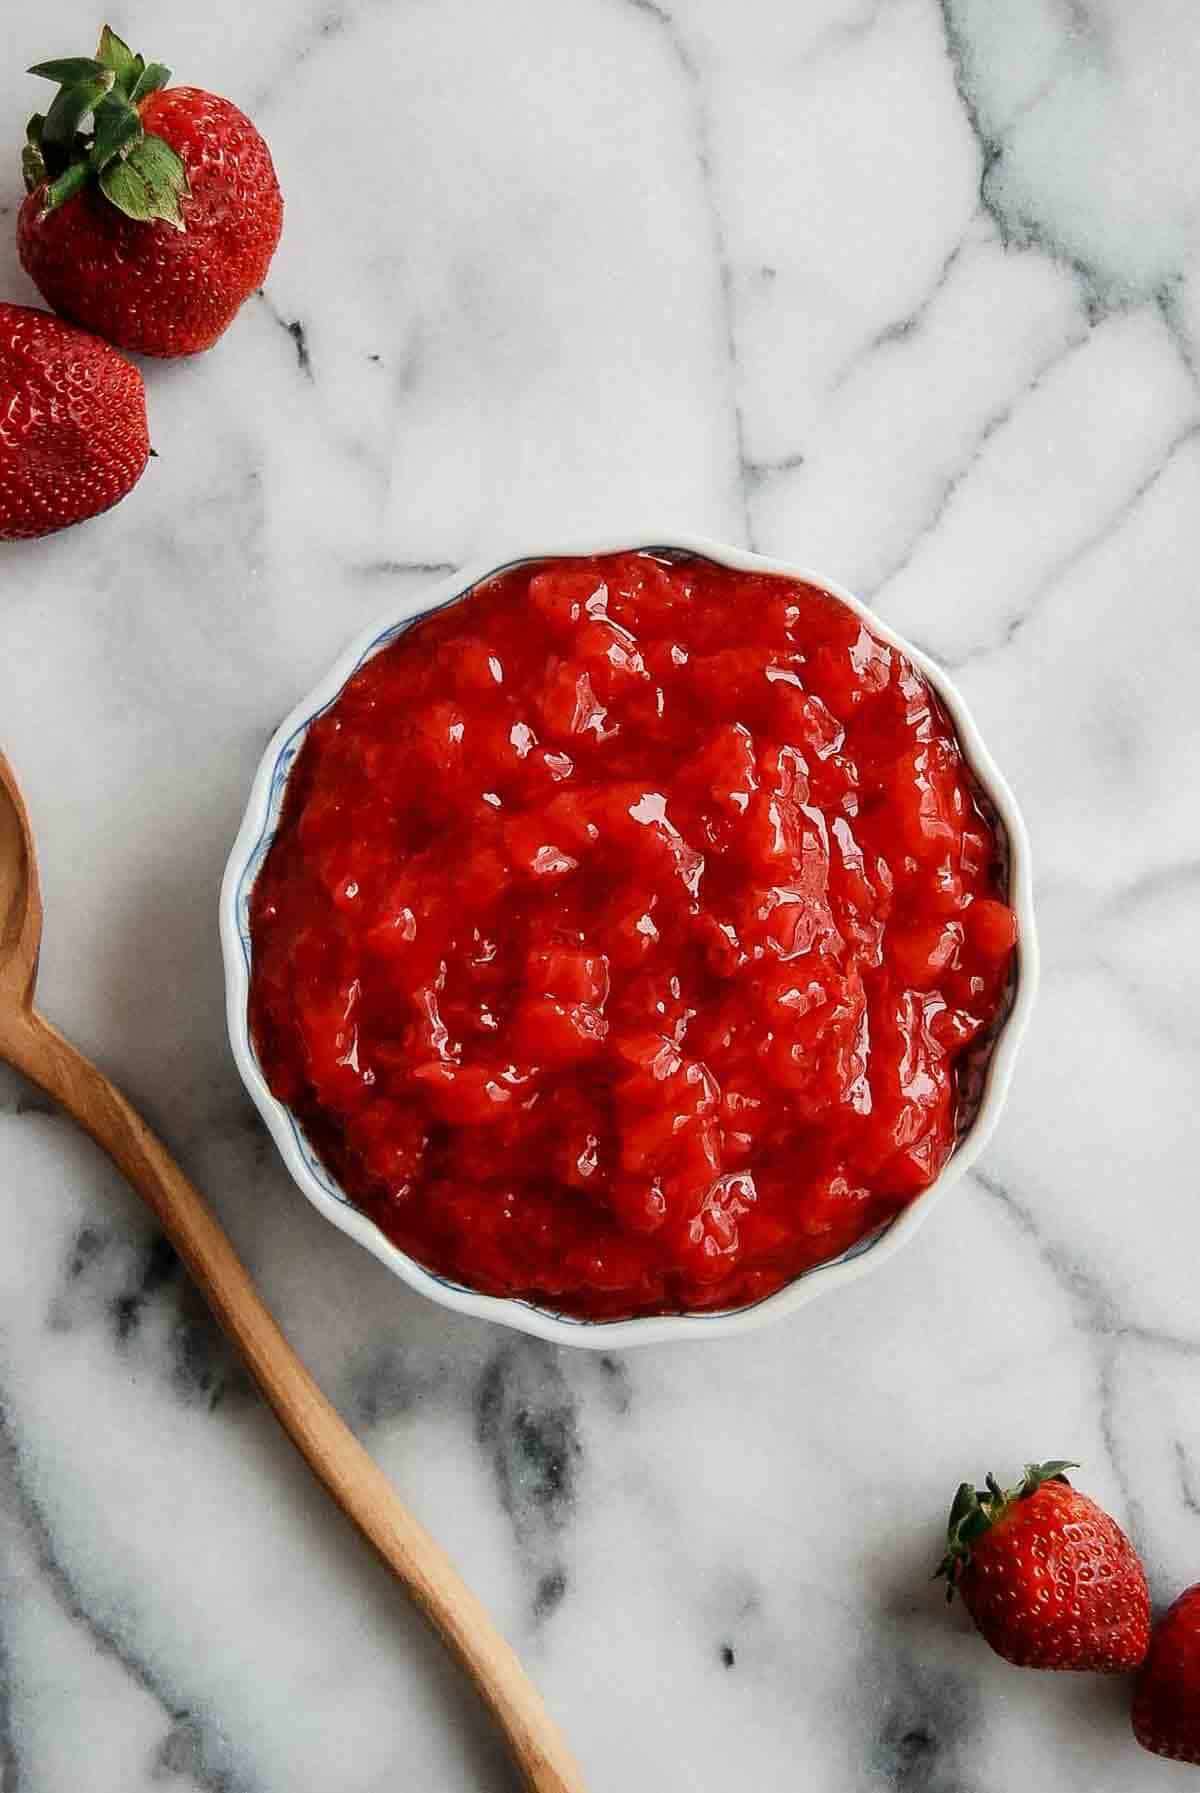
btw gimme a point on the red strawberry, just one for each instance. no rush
(1049, 1579)
(1166, 1700)
(73, 436)
(155, 226)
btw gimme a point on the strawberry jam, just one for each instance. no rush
(631, 936)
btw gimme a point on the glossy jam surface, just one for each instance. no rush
(631, 936)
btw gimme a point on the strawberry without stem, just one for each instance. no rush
(1166, 1701)
(73, 436)
(1050, 1580)
(154, 225)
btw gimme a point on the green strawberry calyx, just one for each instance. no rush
(976, 1510)
(93, 131)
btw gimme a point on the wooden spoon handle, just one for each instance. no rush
(323, 1439)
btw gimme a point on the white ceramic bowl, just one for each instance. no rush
(253, 842)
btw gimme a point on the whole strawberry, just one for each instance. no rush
(153, 226)
(73, 436)
(1049, 1579)
(1166, 1700)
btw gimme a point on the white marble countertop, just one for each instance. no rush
(907, 293)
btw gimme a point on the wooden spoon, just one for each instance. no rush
(325, 1442)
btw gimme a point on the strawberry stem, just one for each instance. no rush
(137, 171)
(975, 1511)
(67, 184)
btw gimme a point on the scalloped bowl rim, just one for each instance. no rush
(257, 831)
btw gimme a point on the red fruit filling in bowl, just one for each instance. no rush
(632, 935)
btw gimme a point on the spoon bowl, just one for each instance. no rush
(20, 902)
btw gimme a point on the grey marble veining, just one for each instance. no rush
(906, 291)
